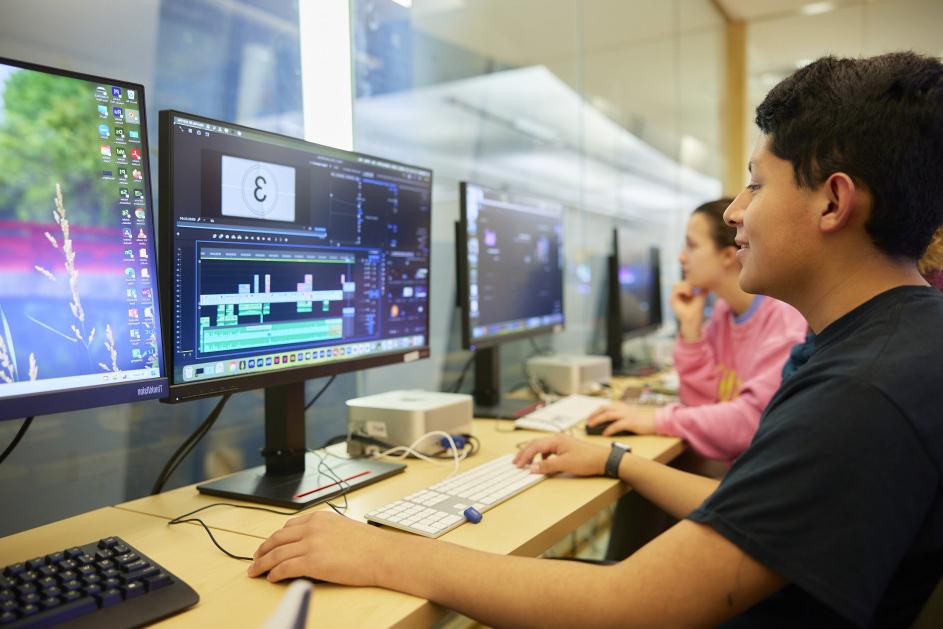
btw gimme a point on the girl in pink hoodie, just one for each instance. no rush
(729, 366)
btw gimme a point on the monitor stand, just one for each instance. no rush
(292, 477)
(487, 392)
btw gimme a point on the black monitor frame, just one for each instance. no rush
(487, 384)
(616, 330)
(285, 450)
(63, 400)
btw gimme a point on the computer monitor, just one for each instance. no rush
(634, 294)
(284, 261)
(79, 324)
(510, 280)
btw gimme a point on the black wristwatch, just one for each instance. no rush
(615, 457)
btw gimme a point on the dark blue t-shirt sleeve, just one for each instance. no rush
(830, 494)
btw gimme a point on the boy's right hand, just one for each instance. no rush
(575, 456)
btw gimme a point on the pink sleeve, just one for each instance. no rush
(723, 430)
(696, 364)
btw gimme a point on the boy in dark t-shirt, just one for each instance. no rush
(834, 514)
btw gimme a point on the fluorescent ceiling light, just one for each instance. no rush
(404, 3)
(817, 8)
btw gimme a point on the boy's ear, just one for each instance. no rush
(841, 201)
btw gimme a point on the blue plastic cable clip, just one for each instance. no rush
(472, 514)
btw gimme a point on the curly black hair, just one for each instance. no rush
(880, 121)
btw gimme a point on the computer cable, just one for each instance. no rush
(461, 377)
(467, 444)
(187, 446)
(16, 438)
(320, 393)
(322, 466)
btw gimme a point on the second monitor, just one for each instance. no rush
(510, 278)
(284, 261)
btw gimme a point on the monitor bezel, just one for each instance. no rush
(81, 398)
(184, 391)
(462, 280)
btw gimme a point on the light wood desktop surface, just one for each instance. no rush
(228, 598)
(527, 524)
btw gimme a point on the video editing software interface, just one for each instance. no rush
(288, 254)
(639, 283)
(514, 263)
(77, 282)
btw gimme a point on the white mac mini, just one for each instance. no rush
(571, 373)
(403, 416)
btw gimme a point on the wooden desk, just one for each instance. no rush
(227, 596)
(527, 524)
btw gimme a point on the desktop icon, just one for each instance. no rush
(132, 95)
(102, 111)
(134, 135)
(122, 172)
(145, 273)
(251, 363)
(115, 92)
(136, 154)
(142, 253)
(132, 293)
(104, 131)
(132, 313)
(139, 214)
(132, 116)
(107, 174)
(137, 174)
(124, 194)
(121, 152)
(138, 194)
(142, 235)
(101, 92)
(106, 151)
(117, 112)
(277, 360)
(128, 273)
(119, 133)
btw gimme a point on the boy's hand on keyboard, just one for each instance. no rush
(571, 455)
(624, 416)
(321, 545)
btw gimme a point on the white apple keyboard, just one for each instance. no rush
(442, 507)
(561, 415)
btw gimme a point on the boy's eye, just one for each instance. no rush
(753, 187)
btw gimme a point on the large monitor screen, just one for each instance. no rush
(78, 293)
(639, 284)
(511, 265)
(288, 260)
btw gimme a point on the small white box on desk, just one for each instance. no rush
(400, 417)
(571, 373)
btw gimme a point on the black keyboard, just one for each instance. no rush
(102, 584)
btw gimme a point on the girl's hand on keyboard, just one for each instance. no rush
(321, 545)
(570, 455)
(624, 416)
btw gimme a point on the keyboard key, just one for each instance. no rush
(14, 569)
(7, 618)
(109, 597)
(29, 610)
(108, 542)
(55, 557)
(133, 589)
(50, 601)
(68, 611)
(159, 580)
(36, 564)
(74, 552)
